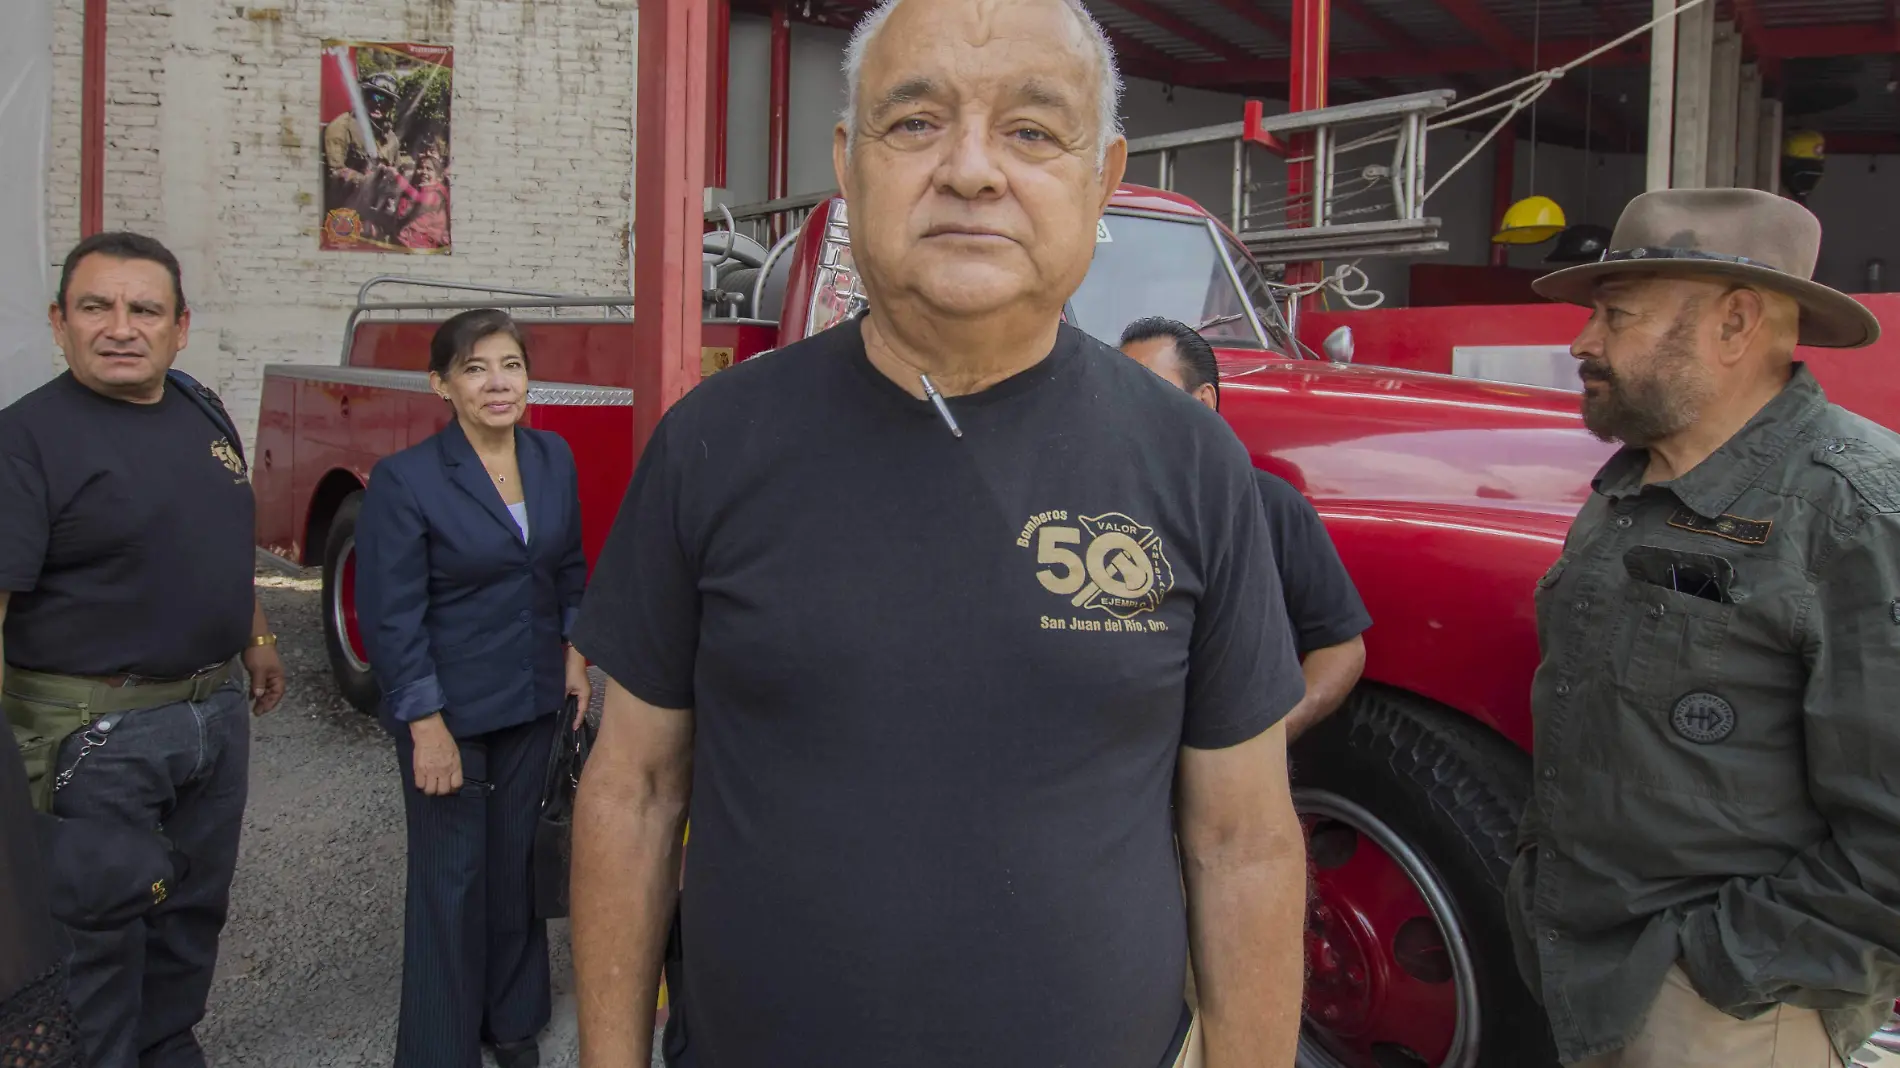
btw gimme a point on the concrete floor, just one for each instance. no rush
(311, 962)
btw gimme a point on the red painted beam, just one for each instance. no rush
(1821, 42)
(1416, 63)
(1308, 76)
(1141, 60)
(669, 206)
(1862, 144)
(718, 58)
(1260, 17)
(779, 107)
(1370, 21)
(92, 122)
(1474, 16)
(1185, 30)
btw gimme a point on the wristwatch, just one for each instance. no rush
(263, 639)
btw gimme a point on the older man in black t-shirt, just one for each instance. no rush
(126, 590)
(942, 683)
(1321, 602)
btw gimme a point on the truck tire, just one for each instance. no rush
(348, 661)
(1411, 817)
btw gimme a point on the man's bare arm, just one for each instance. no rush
(1331, 673)
(629, 816)
(1244, 862)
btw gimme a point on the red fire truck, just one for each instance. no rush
(1447, 496)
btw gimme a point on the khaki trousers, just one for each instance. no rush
(1683, 1031)
(1191, 1056)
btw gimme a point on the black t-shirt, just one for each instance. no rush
(940, 687)
(1321, 601)
(125, 537)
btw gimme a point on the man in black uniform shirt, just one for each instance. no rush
(1321, 602)
(126, 590)
(943, 684)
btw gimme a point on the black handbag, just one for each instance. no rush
(554, 828)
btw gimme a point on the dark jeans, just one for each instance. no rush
(184, 768)
(474, 958)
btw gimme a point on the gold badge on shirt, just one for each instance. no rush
(1108, 562)
(222, 451)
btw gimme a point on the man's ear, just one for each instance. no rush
(1208, 395)
(841, 159)
(1114, 165)
(1744, 315)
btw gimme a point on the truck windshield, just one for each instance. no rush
(1169, 267)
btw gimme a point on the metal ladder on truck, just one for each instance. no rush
(1307, 225)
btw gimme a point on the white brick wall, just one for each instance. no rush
(213, 147)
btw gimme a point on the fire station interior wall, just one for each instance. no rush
(1855, 203)
(26, 85)
(213, 147)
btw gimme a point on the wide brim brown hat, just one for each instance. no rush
(1745, 234)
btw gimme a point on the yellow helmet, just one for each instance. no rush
(1804, 144)
(1531, 221)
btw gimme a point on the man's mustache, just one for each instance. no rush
(1594, 371)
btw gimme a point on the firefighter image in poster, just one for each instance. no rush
(385, 147)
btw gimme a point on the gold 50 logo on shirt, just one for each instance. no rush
(1108, 562)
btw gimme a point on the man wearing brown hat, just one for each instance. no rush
(1709, 865)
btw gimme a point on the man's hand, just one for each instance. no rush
(1244, 862)
(628, 820)
(438, 760)
(264, 666)
(266, 669)
(579, 686)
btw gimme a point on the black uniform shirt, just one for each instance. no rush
(940, 687)
(125, 535)
(1321, 601)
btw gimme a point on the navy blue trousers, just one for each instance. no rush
(139, 991)
(474, 958)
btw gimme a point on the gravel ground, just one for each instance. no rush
(311, 963)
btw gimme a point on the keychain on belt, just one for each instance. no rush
(92, 737)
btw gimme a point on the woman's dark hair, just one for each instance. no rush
(455, 339)
(1199, 367)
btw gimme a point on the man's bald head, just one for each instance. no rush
(1090, 38)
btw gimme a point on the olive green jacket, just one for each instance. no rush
(1717, 717)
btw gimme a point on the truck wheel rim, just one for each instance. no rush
(343, 609)
(1390, 980)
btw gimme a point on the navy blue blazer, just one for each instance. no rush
(458, 613)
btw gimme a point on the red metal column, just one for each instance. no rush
(718, 59)
(1503, 176)
(669, 206)
(780, 116)
(92, 122)
(1312, 22)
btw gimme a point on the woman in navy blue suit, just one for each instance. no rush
(469, 575)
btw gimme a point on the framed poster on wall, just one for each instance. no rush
(386, 148)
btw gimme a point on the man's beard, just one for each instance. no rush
(1665, 400)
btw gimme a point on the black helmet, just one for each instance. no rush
(382, 84)
(1580, 244)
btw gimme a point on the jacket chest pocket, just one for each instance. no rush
(1676, 645)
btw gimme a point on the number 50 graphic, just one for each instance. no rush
(1109, 562)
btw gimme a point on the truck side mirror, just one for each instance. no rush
(1338, 345)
